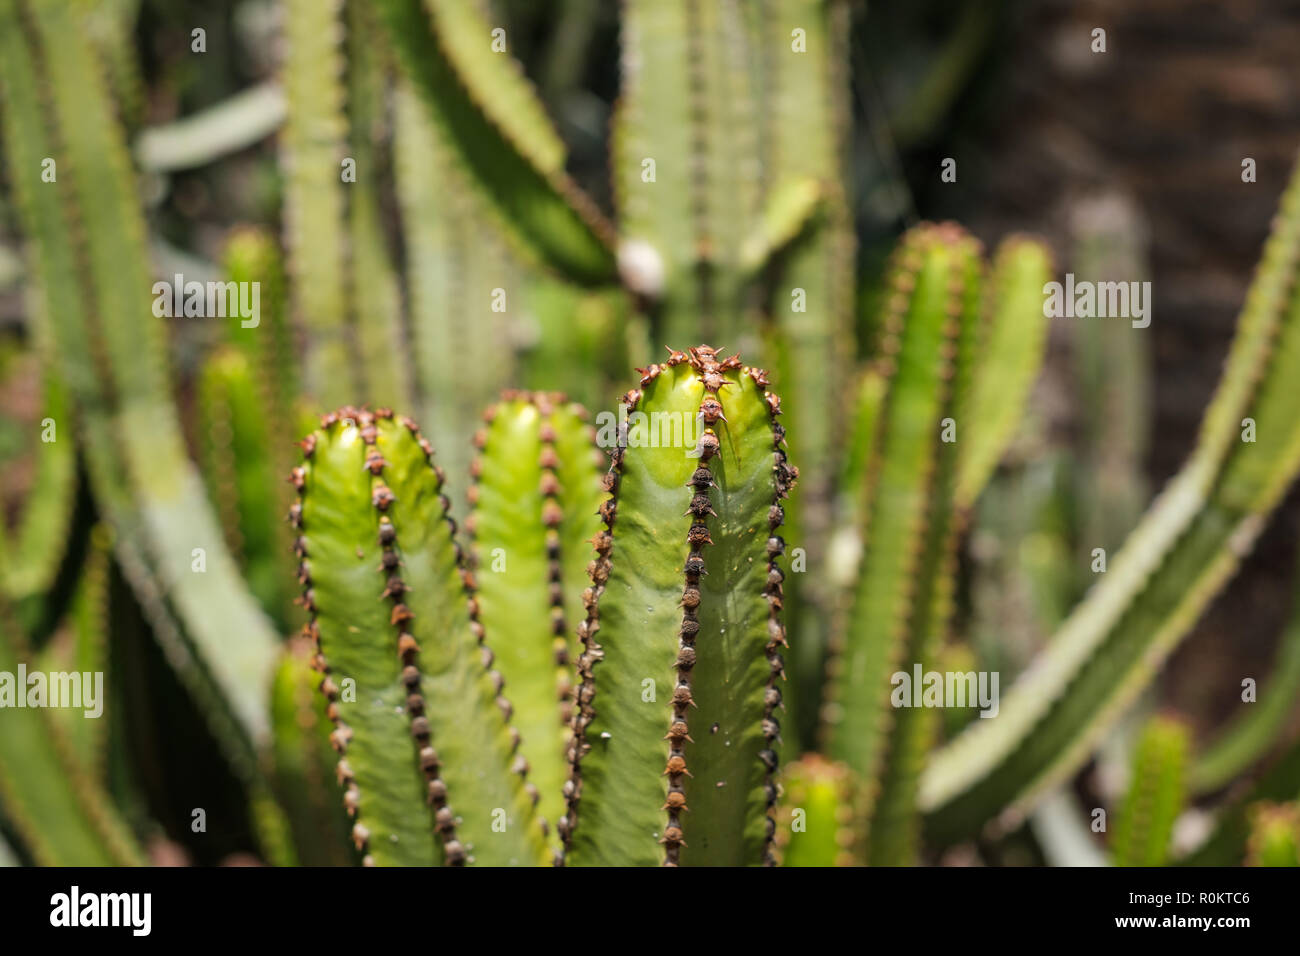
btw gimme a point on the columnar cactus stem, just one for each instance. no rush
(902, 600)
(49, 794)
(304, 761)
(1157, 792)
(700, 614)
(536, 495)
(421, 723)
(91, 262)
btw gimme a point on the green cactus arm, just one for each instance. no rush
(47, 792)
(894, 833)
(251, 254)
(860, 442)
(1274, 835)
(538, 205)
(455, 262)
(1013, 338)
(95, 292)
(304, 762)
(496, 83)
(1156, 795)
(806, 132)
(1180, 555)
(313, 145)
(1250, 736)
(234, 124)
(82, 647)
(1112, 373)
(653, 696)
(534, 515)
(816, 819)
(41, 539)
(238, 460)
(787, 211)
(112, 28)
(424, 734)
(374, 293)
(652, 123)
(922, 324)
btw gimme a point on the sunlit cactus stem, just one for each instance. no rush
(428, 758)
(676, 731)
(536, 497)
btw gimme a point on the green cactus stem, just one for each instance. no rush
(816, 818)
(235, 454)
(492, 123)
(536, 496)
(304, 762)
(49, 794)
(81, 646)
(1156, 795)
(454, 263)
(676, 729)
(429, 761)
(91, 265)
(1260, 725)
(1011, 344)
(42, 539)
(1182, 552)
(902, 600)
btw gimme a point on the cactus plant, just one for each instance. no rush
(631, 708)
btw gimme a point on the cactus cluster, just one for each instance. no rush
(643, 638)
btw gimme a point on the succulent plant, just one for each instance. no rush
(592, 670)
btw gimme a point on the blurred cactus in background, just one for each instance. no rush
(561, 620)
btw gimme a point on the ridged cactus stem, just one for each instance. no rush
(536, 495)
(700, 608)
(410, 670)
(903, 597)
